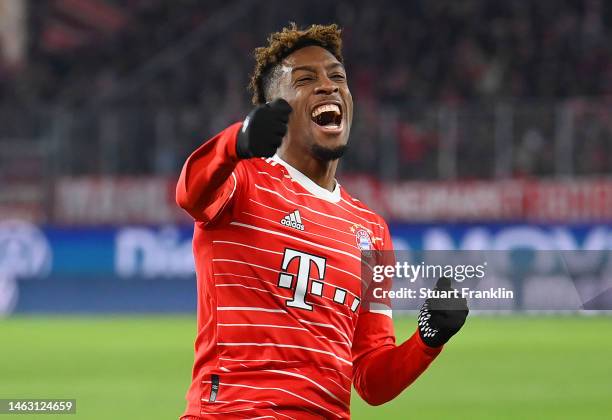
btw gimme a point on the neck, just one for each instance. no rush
(321, 173)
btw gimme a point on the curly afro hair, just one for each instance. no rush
(283, 43)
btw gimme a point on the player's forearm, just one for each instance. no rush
(206, 170)
(384, 374)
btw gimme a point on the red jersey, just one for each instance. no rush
(282, 328)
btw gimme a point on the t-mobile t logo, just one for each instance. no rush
(285, 280)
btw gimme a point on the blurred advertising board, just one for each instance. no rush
(104, 201)
(570, 200)
(110, 201)
(149, 268)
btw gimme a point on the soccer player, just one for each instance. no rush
(283, 330)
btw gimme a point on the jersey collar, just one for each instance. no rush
(309, 185)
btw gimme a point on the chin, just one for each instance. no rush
(326, 153)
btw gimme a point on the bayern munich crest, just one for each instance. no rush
(363, 237)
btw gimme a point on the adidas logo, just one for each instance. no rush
(293, 220)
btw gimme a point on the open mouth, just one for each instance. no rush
(328, 116)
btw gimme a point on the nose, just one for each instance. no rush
(326, 87)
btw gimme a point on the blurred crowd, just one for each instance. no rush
(400, 55)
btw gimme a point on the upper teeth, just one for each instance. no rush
(325, 108)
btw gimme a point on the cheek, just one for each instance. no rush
(349, 104)
(289, 94)
(298, 109)
(351, 111)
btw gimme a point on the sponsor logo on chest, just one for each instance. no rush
(293, 220)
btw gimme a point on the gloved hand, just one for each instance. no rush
(263, 130)
(440, 318)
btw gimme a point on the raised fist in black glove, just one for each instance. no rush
(441, 317)
(263, 130)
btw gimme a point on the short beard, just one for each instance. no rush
(326, 154)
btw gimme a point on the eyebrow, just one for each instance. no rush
(314, 70)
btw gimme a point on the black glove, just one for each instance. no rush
(263, 130)
(441, 318)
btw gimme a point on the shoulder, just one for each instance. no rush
(261, 166)
(360, 207)
(259, 170)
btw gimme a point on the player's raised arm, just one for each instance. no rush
(208, 180)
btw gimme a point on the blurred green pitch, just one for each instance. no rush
(139, 368)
